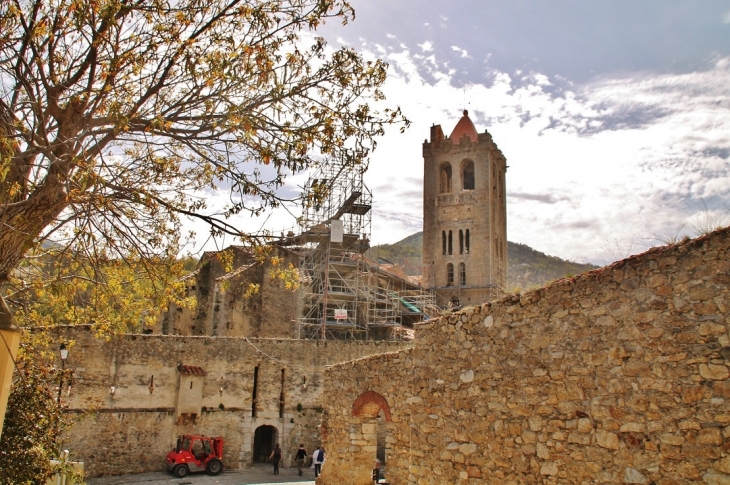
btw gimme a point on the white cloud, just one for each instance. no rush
(614, 162)
(595, 170)
(426, 46)
(726, 17)
(462, 52)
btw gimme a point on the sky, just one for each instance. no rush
(614, 116)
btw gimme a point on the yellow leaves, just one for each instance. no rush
(252, 289)
(226, 259)
(288, 276)
(110, 294)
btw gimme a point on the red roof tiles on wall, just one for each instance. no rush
(190, 370)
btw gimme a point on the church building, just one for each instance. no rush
(464, 216)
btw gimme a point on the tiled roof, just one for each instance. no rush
(190, 370)
(464, 128)
(235, 272)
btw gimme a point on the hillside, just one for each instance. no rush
(528, 268)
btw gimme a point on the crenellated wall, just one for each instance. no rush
(132, 429)
(619, 375)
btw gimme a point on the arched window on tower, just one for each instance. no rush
(462, 274)
(467, 175)
(443, 242)
(466, 242)
(461, 241)
(451, 246)
(445, 179)
(449, 274)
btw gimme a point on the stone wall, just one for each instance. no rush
(133, 428)
(619, 375)
(223, 307)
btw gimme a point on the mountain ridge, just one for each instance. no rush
(527, 267)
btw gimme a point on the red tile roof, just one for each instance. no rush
(190, 370)
(464, 128)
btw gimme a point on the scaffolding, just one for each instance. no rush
(335, 231)
(342, 294)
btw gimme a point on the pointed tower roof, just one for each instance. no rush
(464, 128)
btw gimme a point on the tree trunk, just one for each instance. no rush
(22, 222)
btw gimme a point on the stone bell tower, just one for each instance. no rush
(464, 215)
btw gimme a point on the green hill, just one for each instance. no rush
(528, 268)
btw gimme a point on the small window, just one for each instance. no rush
(462, 274)
(467, 175)
(450, 245)
(466, 242)
(461, 241)
(443, 242)
(449, 274)
(455, 302)
(445, 179)
(254, 391)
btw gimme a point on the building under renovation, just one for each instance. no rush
(342, 294)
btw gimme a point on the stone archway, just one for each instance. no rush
(369, 404)
(369, 434)
(264, 440)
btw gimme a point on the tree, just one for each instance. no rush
(114, 295)
(33, 424)
(117, 115)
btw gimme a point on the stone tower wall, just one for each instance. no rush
(482, 211)
(619, 375)
(223, 306)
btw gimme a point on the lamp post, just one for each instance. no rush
(64, 355)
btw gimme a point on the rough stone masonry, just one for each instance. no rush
(619, 375)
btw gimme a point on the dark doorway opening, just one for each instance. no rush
(381, 440)
(264, 440)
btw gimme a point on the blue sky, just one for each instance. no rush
(614, 116)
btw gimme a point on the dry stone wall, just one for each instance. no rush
(620, 375)
(132, 429)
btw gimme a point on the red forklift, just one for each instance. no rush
(194, 453)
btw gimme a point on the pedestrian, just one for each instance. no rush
(301, 455)
(376, 472)
(276, 458)
(318, 459)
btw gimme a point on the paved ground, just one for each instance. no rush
(258, 474)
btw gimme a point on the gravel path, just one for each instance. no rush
(258, 474)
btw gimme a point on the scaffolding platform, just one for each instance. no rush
(342, 294)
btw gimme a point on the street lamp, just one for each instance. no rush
(64, 355)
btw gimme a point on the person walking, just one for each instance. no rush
(275, 458)
(318, 459)
(301, 455)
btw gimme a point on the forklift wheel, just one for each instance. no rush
(180, 471)
(214, 467)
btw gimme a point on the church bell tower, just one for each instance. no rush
(464, 216)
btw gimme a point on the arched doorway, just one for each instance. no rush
(264, 439)
(371, 433)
